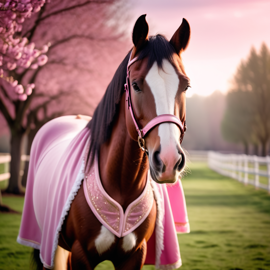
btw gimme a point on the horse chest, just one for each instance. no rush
(109, 212)
(96, 242)
(101, 227)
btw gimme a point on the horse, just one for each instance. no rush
(114, 172)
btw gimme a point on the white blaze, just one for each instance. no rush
(164, 85)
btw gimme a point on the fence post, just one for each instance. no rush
(5, 167)
(268, 172)
(246, 169)
(256, 169)
(234, 164)
(240, 168)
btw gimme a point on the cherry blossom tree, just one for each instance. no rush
(47, 53)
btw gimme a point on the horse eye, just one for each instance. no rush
(136, 87)
(187, 87)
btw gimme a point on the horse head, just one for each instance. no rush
(156, 87)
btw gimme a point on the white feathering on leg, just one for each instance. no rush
(104, 240)
(129, 242)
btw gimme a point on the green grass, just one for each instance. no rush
(12, 255)
(230, 226)
(4, 183)
(230, 223)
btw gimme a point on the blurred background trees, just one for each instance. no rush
(247, 116)
(56, 58)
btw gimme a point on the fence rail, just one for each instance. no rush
(193, 156)
(5, 159)
(252, 170)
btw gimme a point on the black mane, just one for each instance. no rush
(156, 49)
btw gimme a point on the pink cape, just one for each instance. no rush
(53, 183)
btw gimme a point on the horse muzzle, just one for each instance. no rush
(166, 167)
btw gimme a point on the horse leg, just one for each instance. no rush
(79, 259)
(135, 261)
(61, 259)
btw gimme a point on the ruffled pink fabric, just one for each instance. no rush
(56, 172)
(54, 177)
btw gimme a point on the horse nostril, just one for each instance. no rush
(180, 164)
(157, 161)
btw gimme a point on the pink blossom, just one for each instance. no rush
(42, 60)
(13, 16)
(14, 83)
(4, 48)
(44, 48)
(28, 90)
(18, 52)
(37, 9)
(31, 46)
(19, 28)
(24, 41)
(27, 64)
(19, 89)
(25, 1)
(11, 66)
(16, 41)
(36, 53)
(22, 97)
(18, 55)
(34, 66)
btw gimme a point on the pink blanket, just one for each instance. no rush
(55, 174)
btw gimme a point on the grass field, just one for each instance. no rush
(230, 226)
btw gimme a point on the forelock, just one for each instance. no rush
(156, 49)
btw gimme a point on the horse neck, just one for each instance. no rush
(123, 166)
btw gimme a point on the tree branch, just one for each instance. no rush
(24, 105)
(32, 30)
(70, 38)
(5, 113)
(72, 7)
(44, 104)
(5, 94)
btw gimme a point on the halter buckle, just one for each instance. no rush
(141, 143)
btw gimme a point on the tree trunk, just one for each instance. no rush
(14, 185)
(264, 148)
(256, 149)
(246, 148)
(30, 137)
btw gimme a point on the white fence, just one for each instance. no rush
(246, 169)
(5, 159)
(193, 156)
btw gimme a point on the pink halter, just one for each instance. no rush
(155, 121)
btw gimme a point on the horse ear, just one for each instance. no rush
(140, 33)
(181, 37)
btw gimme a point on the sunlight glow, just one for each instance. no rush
(222, 34)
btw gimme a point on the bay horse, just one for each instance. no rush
(109, 169)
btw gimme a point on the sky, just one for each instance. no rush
(222, 34)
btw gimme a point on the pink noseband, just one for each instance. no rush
(163, 118)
